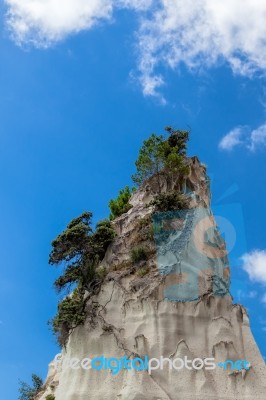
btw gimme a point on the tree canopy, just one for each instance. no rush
(27, 392)
(150, 160)
(159, 154)
(79, 249)
(120, 205)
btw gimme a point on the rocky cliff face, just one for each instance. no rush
(175, 304)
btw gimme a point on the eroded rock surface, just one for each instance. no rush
(179, 305)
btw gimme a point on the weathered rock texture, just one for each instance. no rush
(175, 304)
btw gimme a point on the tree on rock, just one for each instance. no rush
(80, 249)
(159, 155)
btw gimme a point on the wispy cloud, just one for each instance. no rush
(242, 136)
(258, 138)
(254, 263)
(252, 294)
(264, 301)
(199, 34)
(232, 139)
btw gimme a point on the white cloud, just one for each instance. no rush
(43, 22)
(258, 138)
(254, 263)
(252, 140)
(203, 33)
(232, 139)
(198, 33)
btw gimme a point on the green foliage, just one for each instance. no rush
(102, 237)
(169, 201)
(144, 229)
(159, 155)
(71, 274)
(79, 249)
(50, 397)
(101, 272)
(120, 205)
(72, 242)
(150, 160)
(70, 311)
(27, 392)
(178, 139)
(124, 265)
(70, 314)
(138, 254)
(144, 222)
(142, 272)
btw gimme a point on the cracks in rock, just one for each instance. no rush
(112, 329)
(221, 317)
(109, 301)
(204, 296)
(242, 371)
(226, 344)
(180, 341)
(122, 287)
(241, 309)
(141, 336)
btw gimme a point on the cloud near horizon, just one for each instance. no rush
(198, 34)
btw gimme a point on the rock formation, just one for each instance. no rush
(175, 303)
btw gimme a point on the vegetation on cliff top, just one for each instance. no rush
(159, 156)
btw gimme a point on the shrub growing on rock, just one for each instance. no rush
(50, 397)
(169, 201)
(70, 314)
(138, 254)
(27, 392)
(120, 205)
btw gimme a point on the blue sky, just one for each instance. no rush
(81, 86)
